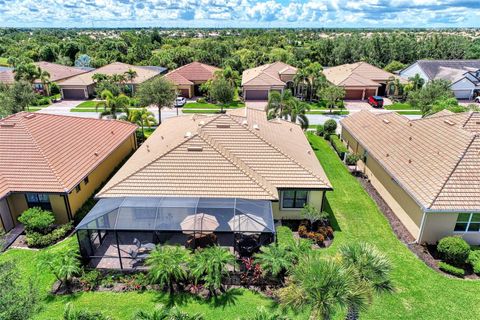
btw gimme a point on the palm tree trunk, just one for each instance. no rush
(159, 115)
(352, 313)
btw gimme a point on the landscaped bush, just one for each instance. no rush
(458, 272)
(474, 260)
(351, 159)
(453, 250)
(42, 101)
(37, 220)
(201, 100)
(329, 127)
(319, 130)
(72, 314)
(338, 145)
(39, 240)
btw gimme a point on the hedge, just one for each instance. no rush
(451, 269)
(338, 145)
(453, 250)
(474, 260)
(38, 240)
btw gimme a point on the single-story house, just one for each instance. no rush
(56, 162)
(57, 73)
(426, 170)
(464, 75)
(360, 80)
(227, 175)
(188, 78)
(258, 82)
(83, 86)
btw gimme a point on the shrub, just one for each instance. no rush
(338, 145)
(42, 101)
(54, 88)
(454, 250)
(313, 214)
(474, 260)
(352, 159)
(320, 130)
(38, 240)
(37, 220)
(302, 231)
(72, 314)
(451, 269)
(330, 126)
(201, 100)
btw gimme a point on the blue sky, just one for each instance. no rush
(240, 13)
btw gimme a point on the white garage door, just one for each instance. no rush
(462, 94)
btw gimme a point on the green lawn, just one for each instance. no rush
(410, 112)
(327, 111)
(87, 104)
(206, 105)
(400, 106)
(421, 293)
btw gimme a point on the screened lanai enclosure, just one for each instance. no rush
(120, 233)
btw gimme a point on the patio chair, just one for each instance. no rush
(146, 246)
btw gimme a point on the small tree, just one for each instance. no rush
(274, 260)
(21, 96)
(70, 313)
(313, 214)
(210, 265)
(168, 265)
(329, 127)
(37, 220)
(112, 104)
(222, 92)
(331, 94)
(426, 97)
(159, 92)
(64, 265)
(394, 66)
(162, 313)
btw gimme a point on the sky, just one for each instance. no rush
(240, 13)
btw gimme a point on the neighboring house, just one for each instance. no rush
(426, 170)
(188, 78)
(464, 75)
(56, 162)
(239, 155)
(57, 73)
(360, 80)
(82, 86)
(258, 82)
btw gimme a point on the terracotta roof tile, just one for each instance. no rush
(51, 153)
(267, 75)
(191, 72)
(360, 74)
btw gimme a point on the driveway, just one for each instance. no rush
(63, 107)
(258, 105)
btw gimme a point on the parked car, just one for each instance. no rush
(477, 99)
(375, 101)
(180, 102)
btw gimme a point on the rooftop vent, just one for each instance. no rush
(29, 116)
(201, 123)
(244, 122)
(256, 127)
(113, 132)
(223, 126)
(409, 160)
(7, 124)
(449, 122)
(195, 148)
(386, 121)
(95, 154)
(188, 134)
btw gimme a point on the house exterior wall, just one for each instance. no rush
(100, 174)
(463, 89)
(402, 204)
(412, 70)
(182, 89)
(315, 198)
(287, 77)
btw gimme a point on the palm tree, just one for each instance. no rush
(395, 87)
(44, 78)
(277, 103)
(27, 72)
(142, 118)
(210, 265)
(324, 286)
(99, 77)
(274, 260)
(371, 269)
(112, 104)
(130, 74)
(417, 81)
(64, 265)
(161, 313)
(302, 78)
(296, 110)
(118, 78)
(168, 264)
(230, 75)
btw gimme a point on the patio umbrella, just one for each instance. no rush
(199, 224)
(247, 223)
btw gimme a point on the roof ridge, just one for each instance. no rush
(468, 119)
(265, 73)
(257, 178)
(37, 146)
(453, 170)
(281, 152)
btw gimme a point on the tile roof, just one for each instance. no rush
(52, 153)
(442, 69)
(360, 74)
(267, 75)
(191, 72)
(85, 79)
(57, 72)
(228, 155)
(435, 159)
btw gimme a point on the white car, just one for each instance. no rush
(180, 102)
(477, 99)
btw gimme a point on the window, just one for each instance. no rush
(78, 188)
(40, 200)
(468, 222)
(85, 180)
(294, 199)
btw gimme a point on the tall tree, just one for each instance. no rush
(426, 97)
(417, 81)
(296, 111)
(332, 94)
(21, 95)
(222, 92)
(159, 92)
(278, 103)
(142, 117)
(27, 72)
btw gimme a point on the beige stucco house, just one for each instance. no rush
(240, 154)
(427, 170)
(258, 82)
(188, 78)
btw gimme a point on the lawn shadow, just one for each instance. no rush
(333, 220)
(227, 299)
(172, 300)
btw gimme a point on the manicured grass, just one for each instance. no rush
(421, 293)
(200, 111)
(3, 62)
(206, 105)
(410, 112)
(84, 110)
(87, 104)
(400, 106)
(327, 111)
